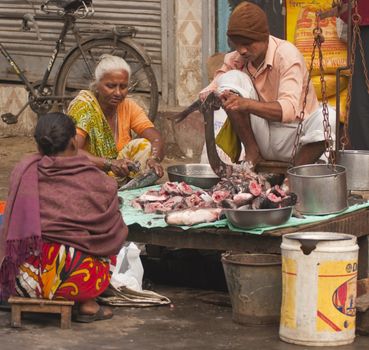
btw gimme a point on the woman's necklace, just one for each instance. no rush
(253, 75)
(113, 123)
(116, 127)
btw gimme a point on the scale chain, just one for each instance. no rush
(318, 40)
(356, 39)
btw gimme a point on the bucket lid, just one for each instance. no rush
(309, 240)
(319, 236)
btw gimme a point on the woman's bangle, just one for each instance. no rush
(107, 165)
(155, 158)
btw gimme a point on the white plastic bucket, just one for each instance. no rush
(319, 274)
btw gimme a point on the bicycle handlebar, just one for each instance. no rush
(82, 9)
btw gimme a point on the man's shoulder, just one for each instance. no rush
(286, 50)
(283, 44)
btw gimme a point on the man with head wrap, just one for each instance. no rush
(262, 85)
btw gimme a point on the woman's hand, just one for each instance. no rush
(233, 102)
(154, 164)
(120, 167)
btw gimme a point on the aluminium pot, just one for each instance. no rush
(320, 188)
(200, 175)
(356, 163)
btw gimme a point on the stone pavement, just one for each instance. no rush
(189, 323)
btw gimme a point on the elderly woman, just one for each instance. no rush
(61, 225)
(105, 119)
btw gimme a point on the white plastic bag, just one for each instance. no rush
(128, 271)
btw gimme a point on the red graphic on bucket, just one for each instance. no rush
(344, 297)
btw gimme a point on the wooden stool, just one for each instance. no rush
(62, 307)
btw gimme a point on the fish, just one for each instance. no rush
(206, 197)
(172, 201)
(272, 201)
(153, 196)
(185, 189)
(152, 207)
(242, 198)
(193, 200)
(259, 202)
(274, 178)
(289, 200)
(220, 195)
(137, 204)
(142, 180)
(184, 114)
(189, 217)
(254, 188)
(228, 203)
(170, 187)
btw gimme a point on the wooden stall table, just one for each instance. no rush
(223, 239)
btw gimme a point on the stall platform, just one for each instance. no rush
(224, 239)
(222, 236)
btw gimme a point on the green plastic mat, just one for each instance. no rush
(135, 216)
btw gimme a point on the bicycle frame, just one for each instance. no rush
(16, 68)
(69, 22)
(43, 92)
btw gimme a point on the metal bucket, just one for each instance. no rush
(321, 189)
(255, 287)
(357, 168)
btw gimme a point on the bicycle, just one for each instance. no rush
(77, 68)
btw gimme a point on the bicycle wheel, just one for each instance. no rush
(76, 72)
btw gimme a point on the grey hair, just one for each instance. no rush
(107, 64)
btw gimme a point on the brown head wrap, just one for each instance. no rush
(249, 21)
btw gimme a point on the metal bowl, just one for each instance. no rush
(200, 175)
(255, 218)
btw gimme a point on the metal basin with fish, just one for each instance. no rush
(255, 218)
(200, 175)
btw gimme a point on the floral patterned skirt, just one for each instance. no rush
(62, 272)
